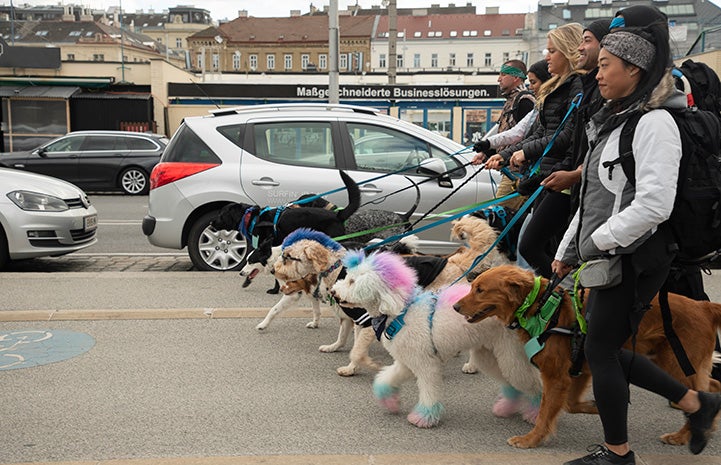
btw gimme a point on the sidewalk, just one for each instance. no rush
(191, 386)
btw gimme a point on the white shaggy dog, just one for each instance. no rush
(422, 331)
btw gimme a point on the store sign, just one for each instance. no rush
(321, 92)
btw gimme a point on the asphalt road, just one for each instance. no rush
(176, 373)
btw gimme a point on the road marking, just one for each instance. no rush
(152, 314)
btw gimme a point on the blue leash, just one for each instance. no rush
(526, 205)
(401, 170)
(441, 221)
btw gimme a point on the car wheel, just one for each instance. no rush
(134, 181)
(3, 249)
(214, 250)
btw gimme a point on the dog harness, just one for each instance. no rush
(390, 330)
(541, 325)
(324, 274)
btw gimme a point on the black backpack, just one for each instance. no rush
(696, 217)
(705, 86)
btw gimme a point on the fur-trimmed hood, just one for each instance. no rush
(665, 94)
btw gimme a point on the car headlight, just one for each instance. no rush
(34, 201)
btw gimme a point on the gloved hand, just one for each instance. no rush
(481, 146)
(528, 186)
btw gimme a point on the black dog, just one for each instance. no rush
(269, 228)
(363, 220)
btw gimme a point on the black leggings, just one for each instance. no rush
(610, 313)
(544, 230)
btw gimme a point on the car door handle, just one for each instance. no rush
(370, 189)
(265, 182)
(18, 166)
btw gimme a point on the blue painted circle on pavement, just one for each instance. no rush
(34, 347)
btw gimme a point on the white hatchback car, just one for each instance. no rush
(270, 155)
(42, 216)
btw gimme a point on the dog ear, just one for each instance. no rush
(517, 283)
(318, 256)
(390, 303)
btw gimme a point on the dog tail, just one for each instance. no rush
(407, 215)
(354, 197)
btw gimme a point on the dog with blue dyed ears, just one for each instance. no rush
(421, 331)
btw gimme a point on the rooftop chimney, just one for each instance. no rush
(242, 13)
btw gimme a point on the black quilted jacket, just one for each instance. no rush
(555, 106)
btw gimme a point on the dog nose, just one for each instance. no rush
(457, 308)
(272, 271)
(332, 292)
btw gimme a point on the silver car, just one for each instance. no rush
(270, 155)
(42, 216)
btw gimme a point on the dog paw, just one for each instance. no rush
(426, 417)
(329, 348)
(469, 368)
(312, 325)
(346, 370)
(522, 442)
(504, 407)
(530, 414)
(675, 439)
(387, 396)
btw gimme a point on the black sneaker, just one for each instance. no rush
(600, 455)
(701, 421)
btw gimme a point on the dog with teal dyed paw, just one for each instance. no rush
(421, 331)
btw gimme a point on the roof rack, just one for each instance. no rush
(295, 107)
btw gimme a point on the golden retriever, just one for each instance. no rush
(501, 290)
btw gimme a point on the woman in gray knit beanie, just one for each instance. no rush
(620, 222)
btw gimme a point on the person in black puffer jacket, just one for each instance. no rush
(550, 214)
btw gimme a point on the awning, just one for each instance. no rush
(38, 91)
(112, 96)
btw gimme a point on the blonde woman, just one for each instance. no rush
(552, 210)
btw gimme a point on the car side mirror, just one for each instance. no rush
(41, 152)
(436, 167)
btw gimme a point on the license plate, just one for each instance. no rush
(90, 222)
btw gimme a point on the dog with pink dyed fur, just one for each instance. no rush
(421, 331)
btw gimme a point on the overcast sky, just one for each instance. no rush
(221, 9)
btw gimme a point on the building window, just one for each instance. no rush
(201, 65)
(434, 60)
(566, 14)
(382, 60)
(451, 59)
(454, 33)
(487, 60)
(98, 57)
(178, 43)
(253, 62)
(236, 61)
(71, 57)
(288, 61)
(469, 60)
(323, 61)
(399, 61)
(270, 61)
(304, 60)
(216, 61)
(343, 61)
(416, 60)
(505, 57)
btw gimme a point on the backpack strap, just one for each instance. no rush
(671, 335)
(625, 150)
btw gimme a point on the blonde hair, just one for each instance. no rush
(566, 39)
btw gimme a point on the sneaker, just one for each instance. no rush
(600, 455)
(701, 421)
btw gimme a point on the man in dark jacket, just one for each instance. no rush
(570, 174)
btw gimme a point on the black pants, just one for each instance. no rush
(540, 239)
(613, 315)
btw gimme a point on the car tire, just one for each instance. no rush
(134, 181)
(4, 254)
(213, 250)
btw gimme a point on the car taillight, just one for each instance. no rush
(165, 173)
